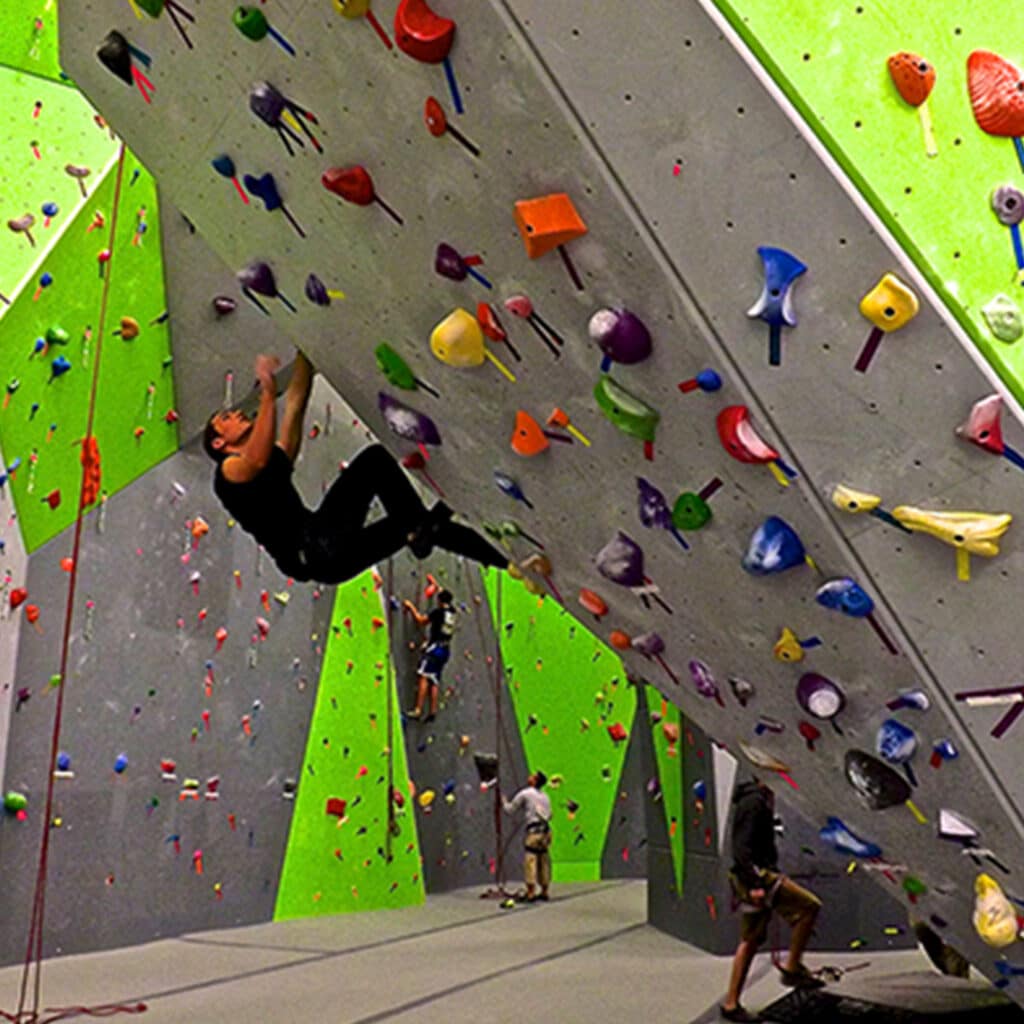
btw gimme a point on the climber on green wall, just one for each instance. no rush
(332, 543)
(437, 649)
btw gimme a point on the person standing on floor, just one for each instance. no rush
(437, 649)
(536, 807)
(760, 889)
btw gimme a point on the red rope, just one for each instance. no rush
(33, 967)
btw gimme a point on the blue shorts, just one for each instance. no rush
(432, 664)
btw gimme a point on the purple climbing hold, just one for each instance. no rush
(704, 681)
(316, 291)
(649, 644)
(224, 304)
(259, 278)
(621, 560)
(407, 422)
(448, 263)
(621, 335)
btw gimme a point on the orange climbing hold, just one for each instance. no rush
(593, 602)
(619, 640)
(528, 438)
(547, 222)
(91, 471)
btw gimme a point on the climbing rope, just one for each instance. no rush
(389, 589)
(33, 964)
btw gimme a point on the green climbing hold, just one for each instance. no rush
(1003, 317)
(57, 336)
(914, 886)
(630, 414)
(14, 802)
(394, 367)
(151, 7)
(251, 22)
(690, 512)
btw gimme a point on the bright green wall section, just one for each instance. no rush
(24, 46)
(670, 774)
(330, 869)
(128, 367)
(65, 133)
(567, 687)
(829, 56)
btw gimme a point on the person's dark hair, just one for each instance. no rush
(210, 434)
(541, 779)
(445, 597)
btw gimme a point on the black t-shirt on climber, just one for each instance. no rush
(442, 626)
(269, 508)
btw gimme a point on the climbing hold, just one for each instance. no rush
(15, 802)
(774, 547)
(855, 502)
(743, 443)
(943, 750)
(550, 222)
(619, 640)
(630, 414)
(23, 225)
(984, 428)
(821, 698)
(877, 785)
(955, 827)
(508, 486)
(889, 306)
(704, 681)
(914, 79)
(707, 380)
(269, 104)
(560, 418)
(17, 597)
(1003, 318)
(223, 305)
(790, 648)
(459, 341)
(651, 645)
(449, 263)
(621, 560)
(407, 422)
(742, 690)
(225, 167)
(354, 185)
(996, 100)
(422, 34)
(522, 307)
(117, 55)
(528, 439)
(918, 700)
(253, 24)
(58, 368)
(1007, 204)
(318, 293)
(775, 303)
(265, 187)
(120, 763)
(810, 733)
(654, 511)
(397, 370)
(843, 594)
(897, 744)
(971, 533)
(258, 279)
(621, 335)
(842, 839)
(593, 603)
(437, 124)
(994, 917)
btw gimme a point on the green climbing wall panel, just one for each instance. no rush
(668, 758)
(28, 37)
(830, 59)
(65, 132)
(338, 863)
(128, 367)
(568, 688)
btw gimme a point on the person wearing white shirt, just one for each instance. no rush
(536, 807)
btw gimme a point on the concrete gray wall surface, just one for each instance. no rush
(680, 251)
(13, 564)
(137, 687)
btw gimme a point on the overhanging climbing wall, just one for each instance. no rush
(679, 250)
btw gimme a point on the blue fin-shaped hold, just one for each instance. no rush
(845, 595)
(840, 838)
(775, 303)
(774, 547)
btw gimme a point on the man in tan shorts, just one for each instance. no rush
(760, 891)
(536, 808)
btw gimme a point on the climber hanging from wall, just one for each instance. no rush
(440, 623)
(332, 543)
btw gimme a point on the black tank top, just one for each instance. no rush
(269, 508)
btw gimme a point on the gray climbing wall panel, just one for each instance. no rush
(138, 687)
(457, 834)
(13, 563)
(680, 251)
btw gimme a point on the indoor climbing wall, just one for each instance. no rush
(679, 173)
(456, 816)
(12, 567)
(831, 61)
(353, 838)
(575, 710)
(195, 668)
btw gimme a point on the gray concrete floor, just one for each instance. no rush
(587, 956)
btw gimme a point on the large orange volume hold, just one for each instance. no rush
(547, 222)
(997, 94)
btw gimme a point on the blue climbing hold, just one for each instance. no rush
(840, 838)
(774, 547)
